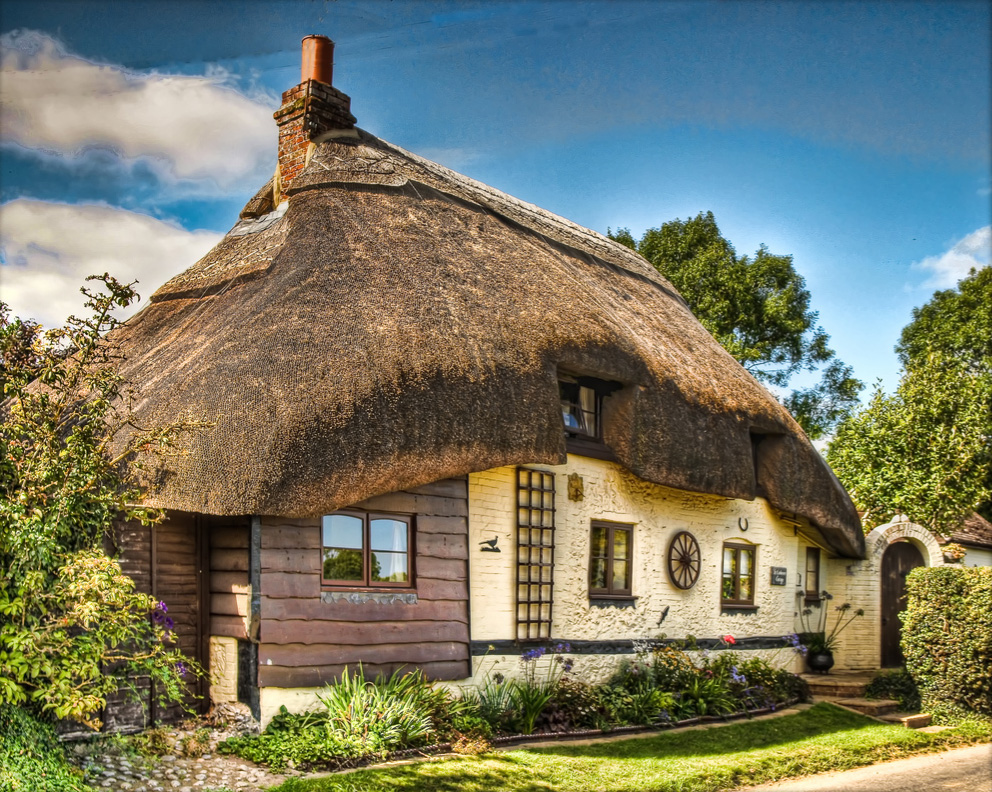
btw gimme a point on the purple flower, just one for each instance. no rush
(169, 624)
(567, 665)
(533, 654)
(736, 676)
(163, 607)
(181, 668)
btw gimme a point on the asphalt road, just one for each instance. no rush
(963, 769)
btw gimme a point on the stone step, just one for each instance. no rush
(836, 685)
(909, 720)
(876, 708)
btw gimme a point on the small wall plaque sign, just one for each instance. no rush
(779, 575)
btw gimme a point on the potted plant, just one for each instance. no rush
(818, 642)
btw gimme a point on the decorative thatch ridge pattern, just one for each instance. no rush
(399, 323)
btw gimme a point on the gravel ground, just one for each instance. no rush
(167, 773)
(184, 760)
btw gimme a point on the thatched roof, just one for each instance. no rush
(397, 323)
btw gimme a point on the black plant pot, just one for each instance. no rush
(820, 662)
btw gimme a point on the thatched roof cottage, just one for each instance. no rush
(444, 420)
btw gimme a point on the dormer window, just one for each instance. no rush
(581, 409)
(582, 414)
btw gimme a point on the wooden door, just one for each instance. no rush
(898, 560)
(166, 561)
(178, 581)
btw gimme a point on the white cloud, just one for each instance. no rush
(48, 249)
(187, 128)
(972, 252)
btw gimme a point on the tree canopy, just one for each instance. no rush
(758, 308)
(927, 449)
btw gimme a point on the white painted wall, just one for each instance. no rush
(657, 513)
(975, 556)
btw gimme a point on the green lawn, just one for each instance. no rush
(817, 740)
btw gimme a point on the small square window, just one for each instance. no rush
(366, 550)
(737, 587)
(610, 556)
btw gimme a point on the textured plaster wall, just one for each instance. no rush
(612, 493)
(598, 668)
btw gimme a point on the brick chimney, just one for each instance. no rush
(309, 110)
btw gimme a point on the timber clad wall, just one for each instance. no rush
(164, 561)
(229, 538)
(306, 641)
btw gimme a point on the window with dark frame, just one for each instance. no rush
(737, 589)
(812, 574)
(581, 409)
(535, 553)
(366, 550)
(610, 554)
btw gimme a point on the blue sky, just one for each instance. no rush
(854, 136)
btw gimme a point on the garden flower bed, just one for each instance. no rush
(363, 721)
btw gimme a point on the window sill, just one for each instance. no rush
(608, 601)
(729, 610)
(588, 447)
(361, 596)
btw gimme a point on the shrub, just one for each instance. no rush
(898, 686)
(704, 696)
(574, 705)
(494, 702)
(384, 714)
(671, 668)
(73, 629)
(31, 758)
(947, 639)
(360, 718)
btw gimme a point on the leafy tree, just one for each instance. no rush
(956, 323)
(923, 451)
(757, 308)
(67, 612)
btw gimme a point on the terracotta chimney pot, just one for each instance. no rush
(318, 59)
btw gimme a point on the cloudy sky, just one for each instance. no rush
(854, 136)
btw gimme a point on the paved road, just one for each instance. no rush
(960, 770)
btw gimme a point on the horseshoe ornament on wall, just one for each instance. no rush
(684, 560)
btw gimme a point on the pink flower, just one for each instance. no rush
(729, 640)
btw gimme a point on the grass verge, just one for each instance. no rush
(818, 740)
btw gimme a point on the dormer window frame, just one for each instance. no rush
(579, 439)
(579, 409)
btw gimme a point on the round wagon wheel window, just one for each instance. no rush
(683, 560)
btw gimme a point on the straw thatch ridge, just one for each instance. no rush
(398, 323)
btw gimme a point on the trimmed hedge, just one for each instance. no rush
(947, 639)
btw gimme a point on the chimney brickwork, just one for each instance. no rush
(308, 110)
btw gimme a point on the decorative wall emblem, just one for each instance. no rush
(683, 560)
(575, 487)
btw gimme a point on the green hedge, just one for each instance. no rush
(31, 757)
(947, 639)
